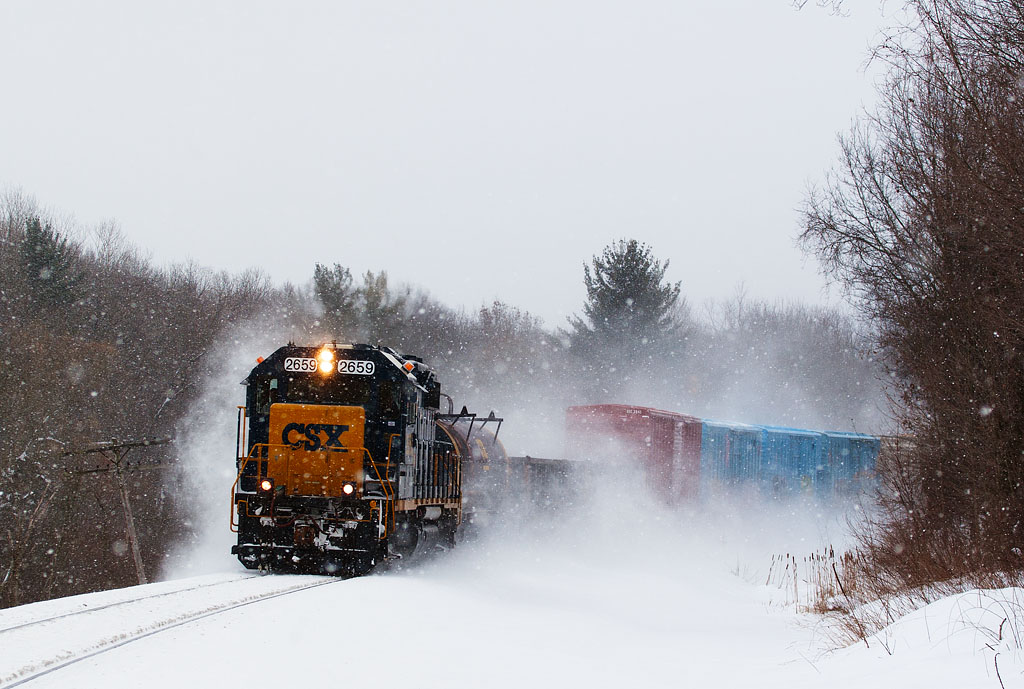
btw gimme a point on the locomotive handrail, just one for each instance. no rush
(240, 431)
(453, 419)
(386, 485)
(234, 491)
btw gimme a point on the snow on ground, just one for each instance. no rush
(619, 594)
(34, 637)
(972, 639)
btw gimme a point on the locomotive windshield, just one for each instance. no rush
(313, 389)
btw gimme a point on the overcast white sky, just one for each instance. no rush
(479, 149)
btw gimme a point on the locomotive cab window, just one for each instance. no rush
(390, 399)
(261, 397)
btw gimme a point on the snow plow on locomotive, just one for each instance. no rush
(345, 460)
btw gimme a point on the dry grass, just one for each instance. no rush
(808, 582)
(859, 602)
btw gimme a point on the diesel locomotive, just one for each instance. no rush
(345, 460)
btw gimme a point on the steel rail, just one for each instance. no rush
(129, 601)
(163, 626)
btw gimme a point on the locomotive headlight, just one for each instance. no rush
(325, 357)
(348, 488)
(266, 485)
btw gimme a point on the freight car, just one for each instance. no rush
(666, 444)
(683, 456)
(344, 460)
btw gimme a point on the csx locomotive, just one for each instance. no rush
(345, 460)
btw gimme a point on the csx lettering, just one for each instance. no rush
(314, 436)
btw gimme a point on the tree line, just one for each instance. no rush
(105, 355)
(97, 345)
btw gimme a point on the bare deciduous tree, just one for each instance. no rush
(922, 222)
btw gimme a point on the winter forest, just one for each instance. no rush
(105, 353)
(107, 350)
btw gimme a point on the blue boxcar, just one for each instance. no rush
(730, 454)
(783, 462)
(791, 461)
(850, 459)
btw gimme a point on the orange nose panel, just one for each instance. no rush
(314, 448)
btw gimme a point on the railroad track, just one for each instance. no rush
(114, 604)
(36, 668)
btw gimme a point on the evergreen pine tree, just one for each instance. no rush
(49, 261)
(383, 310)
(336, 293)
(629, 306)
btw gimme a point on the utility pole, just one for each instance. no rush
(114, 452)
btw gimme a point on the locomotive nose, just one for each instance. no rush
(316, 450)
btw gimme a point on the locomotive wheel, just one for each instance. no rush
(448, 529)
(405, 538)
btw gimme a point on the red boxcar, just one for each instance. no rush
(666, 444)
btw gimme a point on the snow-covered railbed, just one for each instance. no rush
(500, 620)
(50, 611)
(46, 637)
(612, 597)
